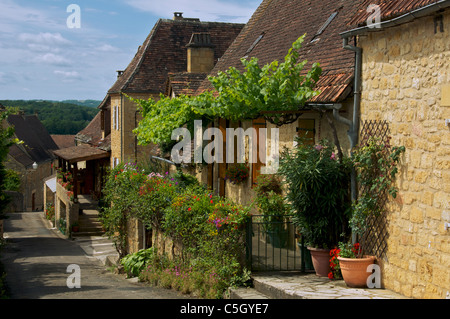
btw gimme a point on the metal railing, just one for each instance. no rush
(275, 246)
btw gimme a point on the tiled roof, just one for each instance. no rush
(389, 9)
(37, 143)
(164, 51)
(184, 83)
(81, 153)
(276, 24)
(64, 141)
(92, 133)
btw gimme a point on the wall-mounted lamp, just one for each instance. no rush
(35, 166)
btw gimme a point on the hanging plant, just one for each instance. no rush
(237, 174)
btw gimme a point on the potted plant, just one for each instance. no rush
(273, 207)
(376, 167)
(318, 191)
(75, 227)
(353, 265)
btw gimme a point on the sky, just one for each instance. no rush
(52, 50)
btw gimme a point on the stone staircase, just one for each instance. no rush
(88, 219)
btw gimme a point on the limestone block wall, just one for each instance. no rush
(406, 81)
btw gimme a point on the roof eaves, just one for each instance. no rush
(398, 20)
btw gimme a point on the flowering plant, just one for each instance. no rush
(345, 250)
(237, 174)
(335, 272)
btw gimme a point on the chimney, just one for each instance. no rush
(119, 73)
(200, 53)
(178, 15)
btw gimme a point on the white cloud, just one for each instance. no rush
(206, 10)
(67, 75)
(53, 59)
(44, 38)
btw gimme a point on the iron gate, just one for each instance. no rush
(275, 246)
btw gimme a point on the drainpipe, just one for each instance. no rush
(353, 132)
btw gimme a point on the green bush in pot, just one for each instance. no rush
(318, 189)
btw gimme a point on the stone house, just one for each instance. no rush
(33, 160)
(405, 84)
(87, 161)
(180, 45)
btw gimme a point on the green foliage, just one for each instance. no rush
(57, 117)
(133, 264)
(12, 180)
(270, 201)
(318, 190)
(236, 96)
(209, 227)
(50, 211)
(377, 166)
(6, 141)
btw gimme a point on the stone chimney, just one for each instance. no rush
(178, 15)
(200, 53)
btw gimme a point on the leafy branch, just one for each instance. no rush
(235, 96)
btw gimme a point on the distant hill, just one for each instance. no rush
(59, 118)
(89, 103)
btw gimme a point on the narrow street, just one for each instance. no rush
(36, 260)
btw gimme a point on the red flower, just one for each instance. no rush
(189, 209)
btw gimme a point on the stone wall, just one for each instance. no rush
(65, 208)
(406, 81)
(124, 144)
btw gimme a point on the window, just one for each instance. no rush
(254, 44)
(324, 26)
(116, 118)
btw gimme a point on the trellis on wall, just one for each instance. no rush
(375, 238)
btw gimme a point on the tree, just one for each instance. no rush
(7, 139)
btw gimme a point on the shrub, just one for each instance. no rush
(209, 227)
(133, 264)
(318, 190)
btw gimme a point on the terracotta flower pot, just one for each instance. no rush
(354, 270)
(321, 261)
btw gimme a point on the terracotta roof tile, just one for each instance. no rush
(389, 9)
(184, 83)
(282, 22)
(64, 141)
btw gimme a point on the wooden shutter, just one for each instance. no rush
(256, 167)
